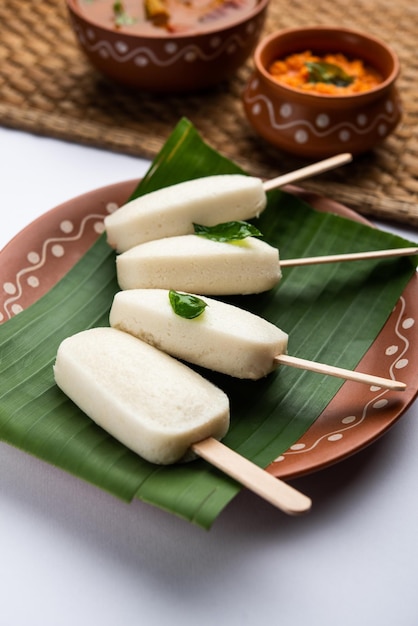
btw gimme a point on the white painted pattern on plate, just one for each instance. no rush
(53, 246)
(377, 401)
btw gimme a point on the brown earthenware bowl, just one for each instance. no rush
(318, 125)
(167, 62)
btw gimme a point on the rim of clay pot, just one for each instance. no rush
(296, 40)
(73, 6)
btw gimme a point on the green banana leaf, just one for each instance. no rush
(332, 313)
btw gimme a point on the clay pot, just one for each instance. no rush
(319, 125)
(169, 63)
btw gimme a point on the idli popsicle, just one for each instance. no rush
(220, 336)
(158, 407)
(152, 403)
(224, 259)
(224, 338)
(200, 265)
(171, 211)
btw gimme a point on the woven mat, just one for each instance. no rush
(47, 87)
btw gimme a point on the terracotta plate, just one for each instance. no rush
(46, 249)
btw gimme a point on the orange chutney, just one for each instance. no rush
(293, 71)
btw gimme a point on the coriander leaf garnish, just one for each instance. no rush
(121, 17)
(228, 231)
(185, 305)
(322, 72)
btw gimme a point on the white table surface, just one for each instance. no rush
(73, 555)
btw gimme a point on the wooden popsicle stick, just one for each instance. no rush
(352, 256)
(308, 171)
(330, 370)
(275, 491)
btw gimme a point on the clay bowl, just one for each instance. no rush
(319, 125)
(166, 62)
